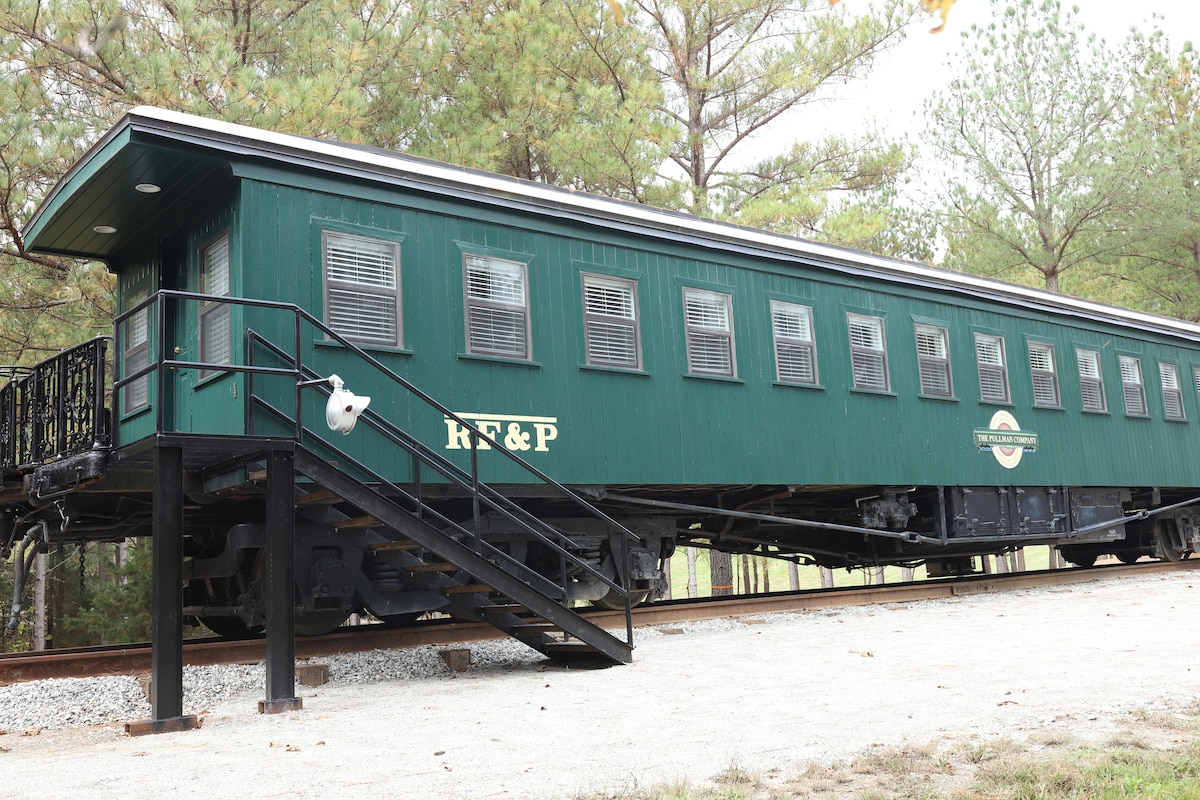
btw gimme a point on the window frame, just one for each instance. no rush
(786, 340)
(858, 350)
(136, 355)
(1168, 391)
(1001, 369)
(1139, 385)
(693, 331)
(1097, 381)
(590, 318)
(1035, 372)
(396, 292)
(211, 313)
(522, 309)
(941, 363)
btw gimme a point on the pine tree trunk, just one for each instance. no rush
(766, 570)
(720, 570)
(667, 575)
(745, 574)
(793, 576)
(826, 578)
(693, 586)
(907, 574)
(39, 602)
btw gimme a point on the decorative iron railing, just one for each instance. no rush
(56, 408)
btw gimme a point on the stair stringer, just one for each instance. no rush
(483, 569)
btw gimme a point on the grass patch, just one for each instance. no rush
(1053, 766)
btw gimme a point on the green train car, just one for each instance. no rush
(574, 384)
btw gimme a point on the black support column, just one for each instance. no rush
(279, 585)
(166, 666)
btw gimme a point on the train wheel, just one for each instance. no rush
(1170, 544)
(1128, 556)
(231, 627)
(314, 623)
(614, 602)
(1079, 556)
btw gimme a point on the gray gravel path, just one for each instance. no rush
(820, 686)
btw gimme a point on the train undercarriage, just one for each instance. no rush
(342, 565)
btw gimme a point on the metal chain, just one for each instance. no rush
(82, 565)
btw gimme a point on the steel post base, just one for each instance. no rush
(144, 727)
(280, 706)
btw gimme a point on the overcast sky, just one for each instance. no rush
(907, 75)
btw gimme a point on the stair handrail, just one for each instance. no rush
(296, 371)
(455, 473)
(303, 315)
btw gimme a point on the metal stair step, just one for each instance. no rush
(527, 628)
(470, 588)
(503, 608)
(318, 497)
(385, 547)
(572, 649)
(437, 566)
(358, 522)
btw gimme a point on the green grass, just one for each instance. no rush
(1130, 766)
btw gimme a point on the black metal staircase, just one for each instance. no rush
(451, 557)
(57, 438)
(531, 608)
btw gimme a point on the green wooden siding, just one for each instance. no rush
(657, 425)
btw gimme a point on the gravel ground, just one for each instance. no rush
(770, 695)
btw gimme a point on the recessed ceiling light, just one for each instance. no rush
(104, 229)
(148, 188)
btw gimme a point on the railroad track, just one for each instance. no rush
(133, 659)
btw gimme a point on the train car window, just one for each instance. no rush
(136, 342)
(1131, 385)
(1045, 375)
(215, 338)
(993, 368)
(868, 352)
(610, 321)
(497, 307)
(709, 319)
(1091, 380)
(795, 347)
(1168, 375)
(362, 288)
(933, 360)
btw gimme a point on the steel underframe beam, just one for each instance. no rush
(279, 591)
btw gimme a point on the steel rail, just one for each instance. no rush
(134, 659)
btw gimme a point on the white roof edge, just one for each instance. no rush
(602, 206)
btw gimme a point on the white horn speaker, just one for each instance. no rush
(344, 406)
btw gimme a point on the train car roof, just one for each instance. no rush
(162, 148)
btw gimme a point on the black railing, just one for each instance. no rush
(290, 357)
(56, 408)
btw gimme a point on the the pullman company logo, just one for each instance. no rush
(1004, 439)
